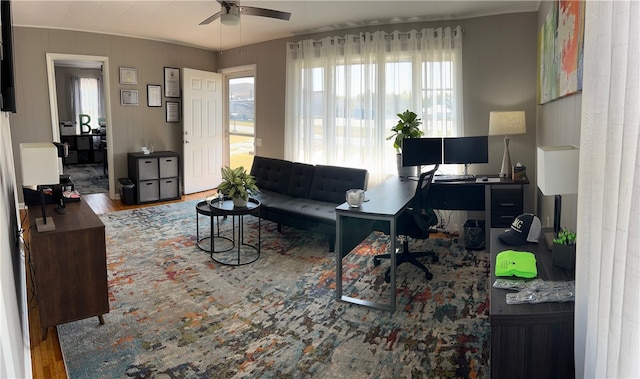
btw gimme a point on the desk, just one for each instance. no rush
(389, 199)
(530, 340)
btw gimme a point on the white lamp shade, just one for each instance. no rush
(507, 123)
(39, 164)
(558, 169)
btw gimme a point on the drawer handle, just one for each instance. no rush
(149, 184)
(169, 160)
(148, 161)
(169, 181)
(507, 204)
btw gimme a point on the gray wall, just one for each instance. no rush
(558, 124)
(132, 127)
(499, 73)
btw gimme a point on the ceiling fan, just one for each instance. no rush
(231, 10)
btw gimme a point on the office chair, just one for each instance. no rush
(414, 222)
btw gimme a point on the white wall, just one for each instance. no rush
(15, 355)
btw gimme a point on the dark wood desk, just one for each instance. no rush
(530, 340)
(69, 266)
(388, 200)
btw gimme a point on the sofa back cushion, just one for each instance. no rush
(331, 182)
(271, 174)
(300, 181)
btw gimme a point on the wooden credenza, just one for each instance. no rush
(530, 340)
(69, 266)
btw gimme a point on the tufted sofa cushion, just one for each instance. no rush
(330, 182)
(271, 174)
(300, 180)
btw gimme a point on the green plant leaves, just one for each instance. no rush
(408, 126)
(237, 183)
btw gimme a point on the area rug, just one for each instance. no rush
(88, 178)
(174, 313)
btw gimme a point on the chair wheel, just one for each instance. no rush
(387, 276)
(429, 276)
(435, 259)
(376, 261)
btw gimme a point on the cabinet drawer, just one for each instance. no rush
(506, 205)
(84, 143)
(169, 188)
(168, 167)
(147, 168)
(148, 190)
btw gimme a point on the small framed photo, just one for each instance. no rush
(128, 75)
(173, 111)
(154, 95)
(171, 82)
(129, 97)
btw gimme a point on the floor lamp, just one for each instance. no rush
(557, 175)
(40, 167)
(506, 124)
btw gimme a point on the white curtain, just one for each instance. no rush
(86, 98)
(344, 94)
(607, 313)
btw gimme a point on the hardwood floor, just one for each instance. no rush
(46, 356)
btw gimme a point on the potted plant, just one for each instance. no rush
(564, 249)
(408, 126)
(238, 185)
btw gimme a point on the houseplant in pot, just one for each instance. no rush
(408, 126)
(563, 253)
(238, 185)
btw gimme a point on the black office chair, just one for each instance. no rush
(414, 222)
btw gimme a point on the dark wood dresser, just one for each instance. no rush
(530, 340)
(69, 265)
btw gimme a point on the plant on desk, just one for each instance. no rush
(408, 126)
(564, 249)
(238, 185)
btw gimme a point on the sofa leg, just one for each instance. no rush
(279, 228)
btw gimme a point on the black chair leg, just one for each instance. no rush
(407, 256)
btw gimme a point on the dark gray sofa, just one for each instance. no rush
(304, 196)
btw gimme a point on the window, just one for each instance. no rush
(344, 94)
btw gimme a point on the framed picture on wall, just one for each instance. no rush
(173, 111)
(128, 75)
(171, 82)
(129, 97)
(154, 95)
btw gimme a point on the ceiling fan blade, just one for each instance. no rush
(211, 19)
(253, 11)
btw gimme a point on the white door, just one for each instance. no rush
(203, 134)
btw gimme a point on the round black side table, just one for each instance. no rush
(244, 253)
(202, 208)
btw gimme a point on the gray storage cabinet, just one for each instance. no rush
(156, 176)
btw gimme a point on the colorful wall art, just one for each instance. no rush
(561, 51)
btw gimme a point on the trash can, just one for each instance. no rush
(127, 191)
(474, 235)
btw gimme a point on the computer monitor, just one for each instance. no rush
(421, 151)
(466, 150)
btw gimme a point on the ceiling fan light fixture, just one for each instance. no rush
(230, 19)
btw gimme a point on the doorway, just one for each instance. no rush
(90, 157)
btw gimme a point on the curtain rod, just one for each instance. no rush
(363, 35)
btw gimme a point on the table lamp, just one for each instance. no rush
(506, 123)
(557, 174)
(40, 167)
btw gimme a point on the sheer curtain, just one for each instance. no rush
(344, 94)
(607, 314)
(86, 98)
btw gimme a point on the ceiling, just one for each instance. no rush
(177, 21)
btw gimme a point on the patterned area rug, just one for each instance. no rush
(88, 178)
(177, 314)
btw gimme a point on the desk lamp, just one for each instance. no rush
(557, 175)
(40, 167)
(506, 123)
